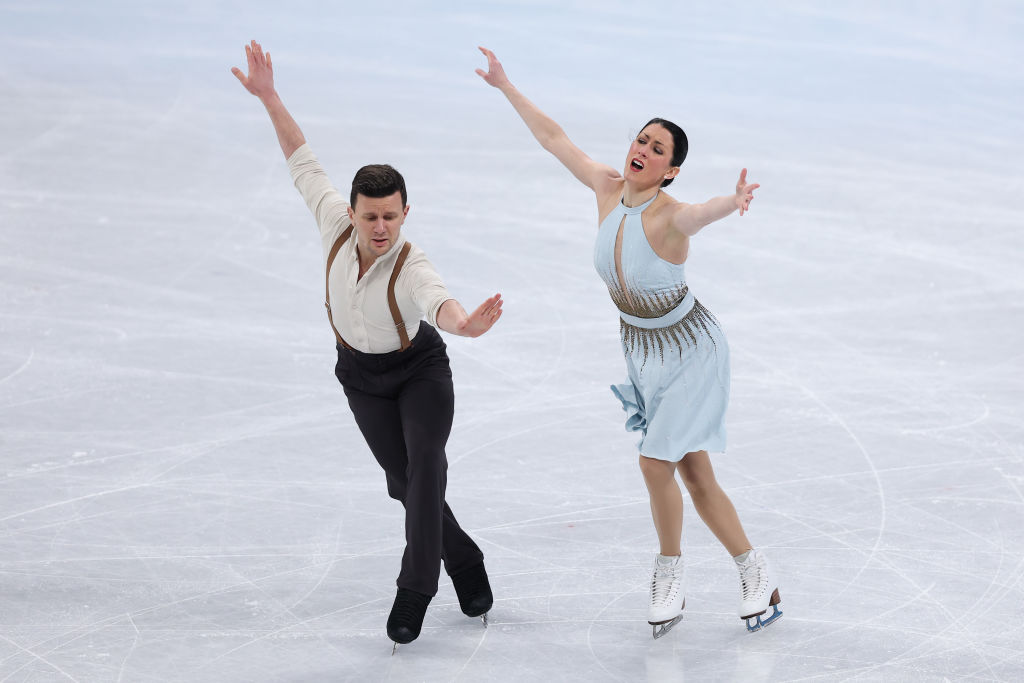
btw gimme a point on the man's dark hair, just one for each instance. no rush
(680, 145)
(377, 180)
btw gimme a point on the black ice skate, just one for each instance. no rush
(406, 618)
(474, 591)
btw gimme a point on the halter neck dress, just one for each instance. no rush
(677, 357)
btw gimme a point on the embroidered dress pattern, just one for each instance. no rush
(685, 333)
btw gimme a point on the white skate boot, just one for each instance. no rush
(667, 595)
(759, 590)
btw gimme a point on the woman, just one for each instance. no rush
(676, 354)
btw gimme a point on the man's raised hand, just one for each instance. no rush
(260, 80)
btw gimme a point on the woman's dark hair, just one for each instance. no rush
(680, 144)
(377, 180)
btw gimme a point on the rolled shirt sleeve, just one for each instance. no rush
(423, 285)
(328, 205)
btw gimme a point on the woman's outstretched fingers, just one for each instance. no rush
(486, 53)
(495, 74)
(745, 192)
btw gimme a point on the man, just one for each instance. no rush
(394, 369)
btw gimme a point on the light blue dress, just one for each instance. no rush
(677, 357)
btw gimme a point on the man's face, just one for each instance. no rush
(377, 220)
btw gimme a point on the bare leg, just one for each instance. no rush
(713, 506)
(666, 503)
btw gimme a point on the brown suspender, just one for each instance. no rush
(392, 300)
(327, 296)
(396, 314)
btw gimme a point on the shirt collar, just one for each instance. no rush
(389, 255)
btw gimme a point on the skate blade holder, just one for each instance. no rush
(760, 623)
(658, 630)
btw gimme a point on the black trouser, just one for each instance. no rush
(403, 402)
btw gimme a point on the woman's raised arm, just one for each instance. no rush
(598, 177)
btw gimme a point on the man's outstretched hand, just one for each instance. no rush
(482, 319)
(452, 317)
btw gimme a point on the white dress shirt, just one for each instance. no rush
(360, 308)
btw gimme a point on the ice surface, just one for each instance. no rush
(186, 497)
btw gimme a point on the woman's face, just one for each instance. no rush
(650, 157)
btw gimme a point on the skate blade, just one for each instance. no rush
(658, 630)
(763, 623)
(394, 649)
(483, 618)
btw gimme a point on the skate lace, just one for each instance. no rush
(753, 579)
(665, 585)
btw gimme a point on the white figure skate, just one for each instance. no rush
(667, 595)
(759, 591)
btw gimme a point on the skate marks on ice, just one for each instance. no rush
(909, 590)
(20, 369)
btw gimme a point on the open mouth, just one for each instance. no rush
(636, 165)
(379, 241)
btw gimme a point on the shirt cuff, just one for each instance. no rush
(301, 153)
(431, 314)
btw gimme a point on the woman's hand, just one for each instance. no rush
(260, 81)
(744, 192)
(495, 74)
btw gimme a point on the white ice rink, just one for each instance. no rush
(185, 496)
